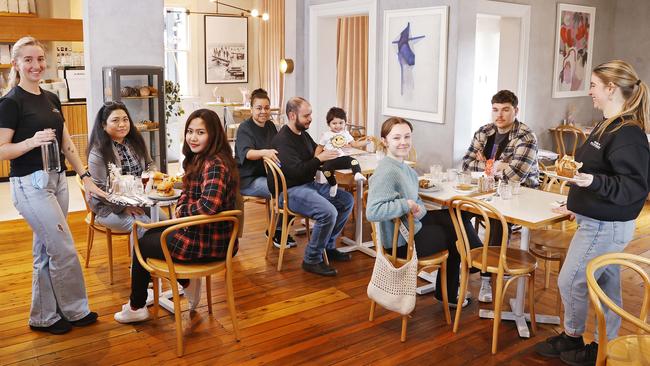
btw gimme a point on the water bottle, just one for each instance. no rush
(51, 157)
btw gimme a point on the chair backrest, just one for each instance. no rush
(573, 135)
(176, 224)
(598, 297)
(279, 186)
(460, 204)
(379, 247)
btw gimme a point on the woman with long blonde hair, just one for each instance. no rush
(31, 117)
(607, 197)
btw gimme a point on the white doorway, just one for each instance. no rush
(501, 56)
(322, 58)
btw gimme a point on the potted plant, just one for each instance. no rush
(173, 110)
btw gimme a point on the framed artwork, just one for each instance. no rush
(226, 49)
(415, 63)
(574, 40)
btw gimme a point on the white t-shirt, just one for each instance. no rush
(335, 140)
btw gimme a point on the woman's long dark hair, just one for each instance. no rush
(217, 146)
(103, 142)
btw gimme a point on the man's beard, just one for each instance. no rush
(301, 126)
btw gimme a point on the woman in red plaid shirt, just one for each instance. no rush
(209, 187)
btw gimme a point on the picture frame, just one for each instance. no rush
(415, 63)
(574, 39)
(226, 49)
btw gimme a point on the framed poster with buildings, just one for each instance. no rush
(226, 49)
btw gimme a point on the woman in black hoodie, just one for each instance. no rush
(607, 197)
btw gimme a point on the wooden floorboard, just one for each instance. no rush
(286, 318)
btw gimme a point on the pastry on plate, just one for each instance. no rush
(567, 166)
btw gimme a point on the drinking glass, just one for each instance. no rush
(465, 178)
(436, 173)
(515, 186)
(504, 190)
(452, 176)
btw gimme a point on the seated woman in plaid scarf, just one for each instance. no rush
(209, 187)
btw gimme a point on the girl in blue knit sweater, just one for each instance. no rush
(393, 192)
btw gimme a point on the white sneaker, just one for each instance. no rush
(128, 315)
(333, 190)
(193, 293)
(485, 293)
(359, 176)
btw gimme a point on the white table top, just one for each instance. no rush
(368, 163)
(531, 207)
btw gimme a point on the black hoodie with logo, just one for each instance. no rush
(620, 164)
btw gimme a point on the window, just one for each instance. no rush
(177, 48)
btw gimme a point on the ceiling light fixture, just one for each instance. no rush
(252, 12)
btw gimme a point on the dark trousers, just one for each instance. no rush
(149, 248)
(438, 234)
(342, 162)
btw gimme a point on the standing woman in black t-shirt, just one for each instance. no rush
(30, 117)
(607, 197)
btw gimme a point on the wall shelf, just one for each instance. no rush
(12, 28)
(24, 15)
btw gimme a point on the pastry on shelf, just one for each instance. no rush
(144, 91)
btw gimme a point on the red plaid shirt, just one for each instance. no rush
(212, 192)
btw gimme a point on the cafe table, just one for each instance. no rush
(368, 163)
(532, 209)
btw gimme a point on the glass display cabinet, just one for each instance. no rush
(141, 89)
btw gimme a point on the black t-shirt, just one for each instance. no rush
(251, 136)
(26, 114)
(296, 153)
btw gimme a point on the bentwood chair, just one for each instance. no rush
(282, 212)
(571, 134)
(173, 271)
(630, 349)
(429, 263)
(500, 260)
(94, 226)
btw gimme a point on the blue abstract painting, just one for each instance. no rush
(414, 63)
(405, 54)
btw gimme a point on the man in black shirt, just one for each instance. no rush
(311, 199)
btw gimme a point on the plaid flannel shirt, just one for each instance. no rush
(211, 192)
(520, 153)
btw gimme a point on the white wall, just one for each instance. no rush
(631, 41)
(437, 142)
(509, 31)
(133, 38)
(202, 92)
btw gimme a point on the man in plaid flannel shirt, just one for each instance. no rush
(509, 142)
(513, 147)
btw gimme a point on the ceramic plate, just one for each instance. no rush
(154, 195)
(433, 188)
(560, 177)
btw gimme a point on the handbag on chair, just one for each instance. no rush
(394, 288)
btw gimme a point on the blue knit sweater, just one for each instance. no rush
(392, 183)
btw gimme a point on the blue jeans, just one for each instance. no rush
(330, 214)
(592, 239)
(257, 188)
(124, 222)
(57, 280)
